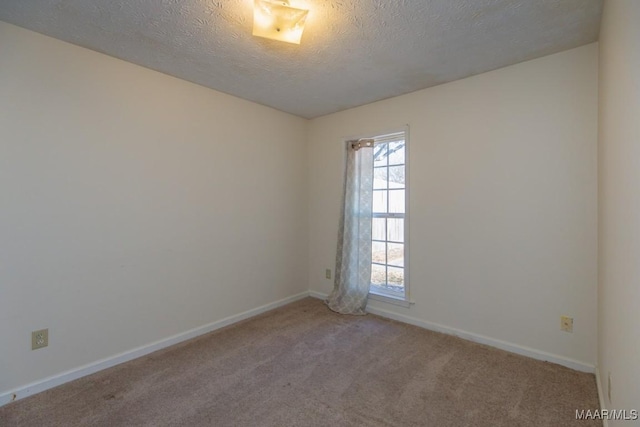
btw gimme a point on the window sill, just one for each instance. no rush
(390, 299)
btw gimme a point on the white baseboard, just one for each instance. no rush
(605, 421)
(318, 295)
(503, 345)
(73, 374)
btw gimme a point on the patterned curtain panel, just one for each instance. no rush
(353, 258)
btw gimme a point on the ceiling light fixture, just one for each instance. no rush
(278, 21)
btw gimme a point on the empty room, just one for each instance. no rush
(310, 213)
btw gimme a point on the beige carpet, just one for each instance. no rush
(303, 365)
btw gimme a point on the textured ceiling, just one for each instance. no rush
(353, 51)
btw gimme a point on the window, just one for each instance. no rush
(388, 233)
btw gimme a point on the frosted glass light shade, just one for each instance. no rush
(278, 21)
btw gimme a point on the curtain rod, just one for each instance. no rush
(362, 142)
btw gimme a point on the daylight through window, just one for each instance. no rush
(388, 276)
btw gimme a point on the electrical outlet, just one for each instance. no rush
(327, 273)
(566, 323)
(609, 387)
(39, 339)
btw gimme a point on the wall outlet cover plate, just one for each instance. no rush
(39, 339)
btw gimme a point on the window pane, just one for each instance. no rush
(396, 153)
(395, 278)
(396, 201)
(395, 229)
(380, 155)
(395, 254)
(380, 178)
(396, 177)
(389, 199)
(380, 201)
(378, 252)
(378, 231)
(378, 274)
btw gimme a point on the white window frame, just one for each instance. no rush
(378, 294)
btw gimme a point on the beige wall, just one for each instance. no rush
(619, 225)
(503, 202)
(134, 206)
